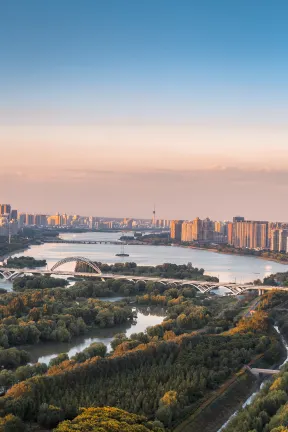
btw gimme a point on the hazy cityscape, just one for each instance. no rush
(239, 233)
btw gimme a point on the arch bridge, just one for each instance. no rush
(202, 286)
(77, 259)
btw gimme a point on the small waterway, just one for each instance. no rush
(146, 317)
(254, 394)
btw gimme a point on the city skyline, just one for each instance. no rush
(14, 213)
(148, 102)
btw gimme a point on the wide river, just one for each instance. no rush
(227, 267)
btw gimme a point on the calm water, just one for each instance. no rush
(146, 317)
(226, 267)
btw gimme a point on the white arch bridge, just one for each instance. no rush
(202, 286)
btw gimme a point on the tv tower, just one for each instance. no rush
(154, 217)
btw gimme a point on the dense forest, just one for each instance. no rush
(167, 270)
(109, 419)
(55, 314)
(162, 379)
(152, 379)
(38, 282)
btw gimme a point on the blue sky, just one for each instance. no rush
(220, 67)
(208, 58)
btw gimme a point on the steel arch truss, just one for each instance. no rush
(83, 260)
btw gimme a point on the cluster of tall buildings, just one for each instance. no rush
(240, 233)
(11, 221)
(197, 230)
(8, 220)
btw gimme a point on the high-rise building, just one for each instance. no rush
(5, 209)
(14, 215)
(274, 240)
(64, 220)
(187, 231)
(238, 219)
(29, 219)
(176, 229)
(278, 240)
(229, 226)
(40, 220)
(283, 235)
(54, 220)
(250, 234)
(219, 227)
(22, 219)
(4, 230)
(13, 227)
(197, 230)
(208, 230)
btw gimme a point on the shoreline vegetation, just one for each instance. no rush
(166, 270)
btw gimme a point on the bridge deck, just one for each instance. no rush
(202, 286)
(264, 371)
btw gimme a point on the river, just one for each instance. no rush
(146, 317)
(227, 267)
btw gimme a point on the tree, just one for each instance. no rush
(108, 419)
(59, 359)
(49, 416)
(11, 423)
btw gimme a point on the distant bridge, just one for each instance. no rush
(202, 286)
(116, 242)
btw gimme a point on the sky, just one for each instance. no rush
(110, 106)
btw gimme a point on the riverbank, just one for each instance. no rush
(10, 254)
(236, 254)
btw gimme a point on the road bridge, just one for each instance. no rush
(259, 371)
(84, 242)
(202, 286)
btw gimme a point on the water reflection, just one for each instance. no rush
(43, 353)
(6, 285)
